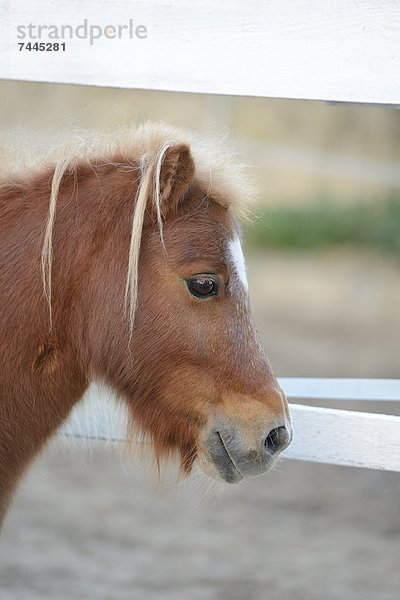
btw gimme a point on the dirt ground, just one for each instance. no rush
(88, 525)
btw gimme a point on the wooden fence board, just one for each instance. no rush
(336, 50)
(320, 434)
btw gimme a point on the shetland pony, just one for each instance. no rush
(121, 263)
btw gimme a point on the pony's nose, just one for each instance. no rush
(277, 440)
(236, 456)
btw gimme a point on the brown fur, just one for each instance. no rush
(187, 361)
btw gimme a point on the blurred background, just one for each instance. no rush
(323, 259)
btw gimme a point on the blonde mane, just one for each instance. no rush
(218, 172)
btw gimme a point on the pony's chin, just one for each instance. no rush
(210, 469)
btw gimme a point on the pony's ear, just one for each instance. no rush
(175, 174)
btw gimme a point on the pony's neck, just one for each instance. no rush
(44, 371)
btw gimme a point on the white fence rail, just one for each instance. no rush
(340, 437)
(304, 388)
(334, 51)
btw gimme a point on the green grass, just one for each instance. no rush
(324, 223)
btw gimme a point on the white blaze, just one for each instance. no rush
(235, 250)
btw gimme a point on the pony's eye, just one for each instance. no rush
(202, 286)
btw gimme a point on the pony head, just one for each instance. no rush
(163, 301)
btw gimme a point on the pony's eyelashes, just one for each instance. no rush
(203, 286)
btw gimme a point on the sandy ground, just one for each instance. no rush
(88, 525)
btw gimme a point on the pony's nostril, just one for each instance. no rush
(277, 439)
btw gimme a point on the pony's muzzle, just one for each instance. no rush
(234, 458)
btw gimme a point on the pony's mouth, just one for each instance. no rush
(222, 459)
(229, 462)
